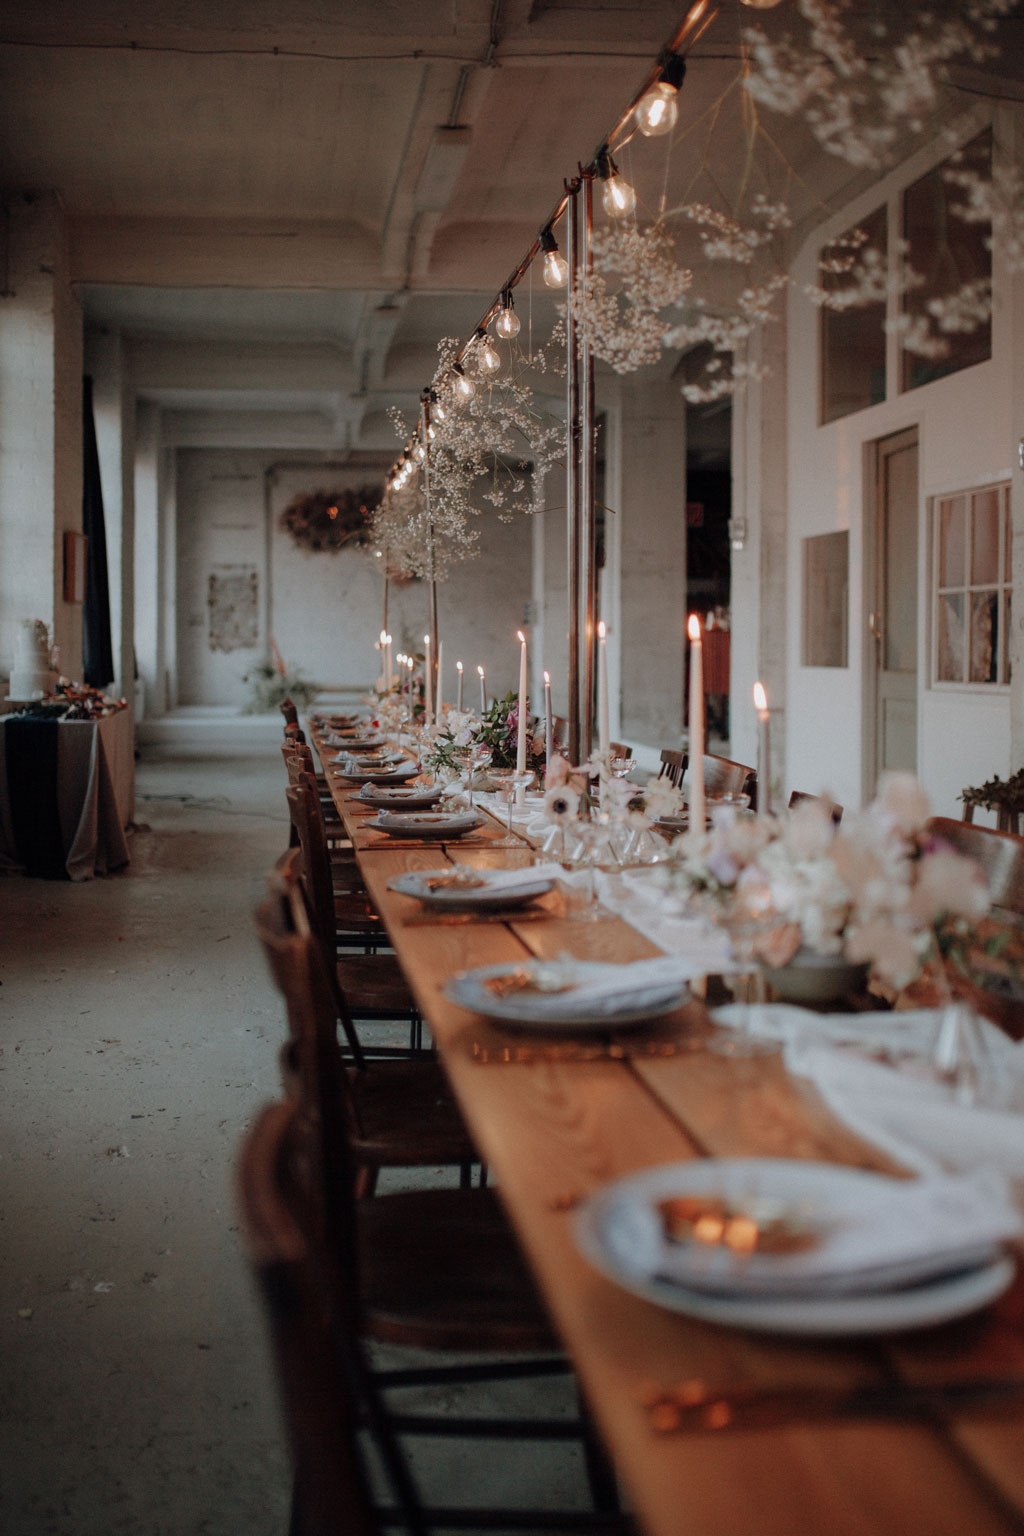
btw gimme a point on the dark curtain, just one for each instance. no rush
(97, 651)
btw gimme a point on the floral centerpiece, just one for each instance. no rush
(497, 729)
(879, 891)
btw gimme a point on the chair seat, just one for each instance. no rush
(374, 984)
(440, 1268)
(353, 913)
(407, 1117)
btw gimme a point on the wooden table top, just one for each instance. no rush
(557, 1125)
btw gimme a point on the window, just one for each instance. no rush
(852, 338)
(972, 556)
(947, 256)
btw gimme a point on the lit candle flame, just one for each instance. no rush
(602, 629)
(693, 627)
(760, 697)
(458, 666)
(520, 636)
(481, 671)
(547, 677)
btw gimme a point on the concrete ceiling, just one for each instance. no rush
(288, 202)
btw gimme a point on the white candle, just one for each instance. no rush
(458, 668)
(696, 727)
(764, 762)
(521, 731)
(603, 732)
(483, 692)
(440, 679)
(428, 683)
(549, 721)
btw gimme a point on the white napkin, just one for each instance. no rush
(638, 898)
(513, 879)
(900, 1104)
(413, 819)
(876, 1237)
(606, 989)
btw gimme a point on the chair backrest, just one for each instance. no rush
(673, 765)
(1000, 855)
(724, 777)
(331, 1492)
(619, 749)
(290, 712)
(315, 860)
(835, 811)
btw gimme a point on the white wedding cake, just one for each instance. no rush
(32, 676)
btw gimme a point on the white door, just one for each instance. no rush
(893, 619)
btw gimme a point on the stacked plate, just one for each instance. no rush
(467, 889)
(435, 826)
(803, 1248)
(396, 773)
(415, 797)
(568, 996)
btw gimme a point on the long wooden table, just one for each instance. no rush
(556, 1126)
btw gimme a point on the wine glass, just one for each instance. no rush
(577, 851)
(471, 760)
(751, 917)
(622, 767)
(509, 781)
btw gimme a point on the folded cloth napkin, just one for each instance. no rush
(865, 1234)
(413, 819)
(894, 1079)
(513, 879)
(603, 990)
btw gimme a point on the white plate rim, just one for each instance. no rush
(938, 1301)
(507, 1012)
(475, 897)
(428, 796)
(378, 775)
(434, 830)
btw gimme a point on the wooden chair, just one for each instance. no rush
(370, 986)
(1007, 820)
(337, 892)
(399, 1114)
(798, 796)
(290, 712)
(1000, 855)
(722, 776)
(432, 1267)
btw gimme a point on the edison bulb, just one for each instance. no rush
(658, 112)
(556, 269)
(488, 360)
(463, 389)
(507, 324)
(617, 197)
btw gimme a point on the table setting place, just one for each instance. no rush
(423, 825)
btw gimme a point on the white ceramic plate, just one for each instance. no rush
(396, 775)
(612, 1230)
(417, 883)
(416, 798)
(433, 825)
(526, 1010)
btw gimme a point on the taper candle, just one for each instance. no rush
(764, 762)
(697, 804)
(483, 692)
(603, 732)
(458, 668)
(521, 729)
(440, 680)
(428, 684)
(549, 721)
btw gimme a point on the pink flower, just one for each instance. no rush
(557, 771)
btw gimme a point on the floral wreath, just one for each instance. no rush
(329, 520)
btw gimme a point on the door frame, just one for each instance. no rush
(872, 459)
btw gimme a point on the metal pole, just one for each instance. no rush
(572, 460)
(425, 440)
(587, 477)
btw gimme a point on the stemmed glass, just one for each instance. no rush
(751, 917)
(471, 759)
(509, 781)
(622, 767)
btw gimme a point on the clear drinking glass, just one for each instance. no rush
(509, 782)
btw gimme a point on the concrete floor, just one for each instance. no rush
(138, 1033)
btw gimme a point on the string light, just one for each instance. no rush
(507, 324)
(485, 355)
(658, 111)
(463, 389)
(556, 268)
(617, 196)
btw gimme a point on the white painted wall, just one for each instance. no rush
(325, 610)
(967, 436)
(40, 429)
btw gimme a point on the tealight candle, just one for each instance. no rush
(697, 804)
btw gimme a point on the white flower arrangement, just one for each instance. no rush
(874, 891)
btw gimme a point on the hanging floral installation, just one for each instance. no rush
(330, 520)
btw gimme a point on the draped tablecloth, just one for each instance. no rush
(67, 793)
